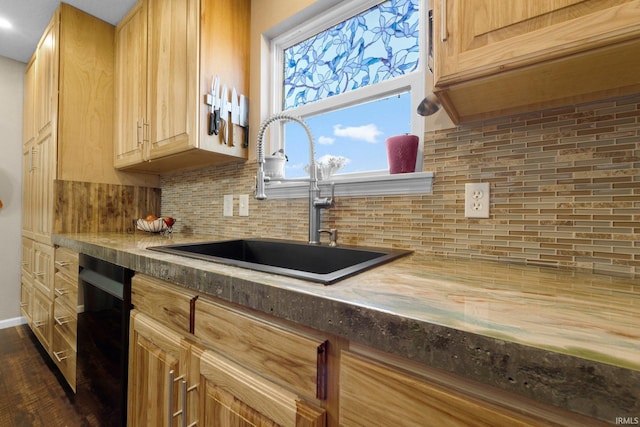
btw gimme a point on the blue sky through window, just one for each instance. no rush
(357, 133)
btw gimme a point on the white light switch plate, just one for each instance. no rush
(227, 209)
(243, 208)
(476, 200)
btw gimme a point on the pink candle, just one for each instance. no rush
(402, 152)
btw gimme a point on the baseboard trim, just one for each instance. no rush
(10, 323)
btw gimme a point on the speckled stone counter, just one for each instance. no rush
(571, 339)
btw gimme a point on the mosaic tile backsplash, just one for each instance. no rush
(565, 191)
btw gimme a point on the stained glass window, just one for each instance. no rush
(373, 46)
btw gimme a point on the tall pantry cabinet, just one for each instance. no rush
(67, 137)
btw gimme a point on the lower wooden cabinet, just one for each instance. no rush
(174, 381)
(216, 364)
(154, 365)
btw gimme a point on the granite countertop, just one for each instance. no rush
(563, 337)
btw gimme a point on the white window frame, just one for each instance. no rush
(359, 183)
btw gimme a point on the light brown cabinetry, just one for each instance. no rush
(495, 57)
(199, 360)
(67, 136)
(37, 289)
(381, 390)
(240, 369)
(65, 315)
(165, 61)
(156, 360)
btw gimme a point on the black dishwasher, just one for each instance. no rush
(103, 340)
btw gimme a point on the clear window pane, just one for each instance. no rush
(354, 136)
(373, 46)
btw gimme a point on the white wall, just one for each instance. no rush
(11, 92)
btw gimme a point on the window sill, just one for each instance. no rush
(372, 185)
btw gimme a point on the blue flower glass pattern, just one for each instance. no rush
(368, 48)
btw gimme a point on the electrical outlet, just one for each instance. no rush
(227, 208)
(243, 205)
(476, 200)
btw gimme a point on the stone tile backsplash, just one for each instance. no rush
(565, 191)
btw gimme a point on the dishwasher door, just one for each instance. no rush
(103, 340)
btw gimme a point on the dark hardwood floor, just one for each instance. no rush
(32, 391)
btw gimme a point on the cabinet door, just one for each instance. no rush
(130, 86)
(28, 110)
(476, 38)
(42, 176)
(46, 95)
(26, 299)
(230, 395)
(154, 367)
(28, 190)
(43, 271)
(42, 317)
(172, 76)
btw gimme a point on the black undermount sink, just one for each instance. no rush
(322, 264)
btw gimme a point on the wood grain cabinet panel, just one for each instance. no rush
(391, 391)
(294, 359)
(167, 303)
(26, 299)
(497, 57)
(155, 362)
(232, 395)
(42, 317)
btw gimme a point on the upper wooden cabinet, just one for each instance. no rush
(500, 57)
(167, 52)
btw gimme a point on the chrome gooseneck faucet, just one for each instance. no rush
(316, 203)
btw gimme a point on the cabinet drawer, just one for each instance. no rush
(64, 356)
(291, 358)
(41, 318)
(43, 270)
(66, 262)
(66, 291)
(65, 322)
(164, 301)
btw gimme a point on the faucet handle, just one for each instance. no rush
(326, 202)
(333, 235)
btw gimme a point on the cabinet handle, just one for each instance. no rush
(61, 263)
(58, 358)
(170, 402)
(183, 397)
(39, 324)
(444, 34)
(138, 128)
(35, 273)
(146, 148)
(62, 320)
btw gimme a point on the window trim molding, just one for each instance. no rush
(363, 185)
(370, 182)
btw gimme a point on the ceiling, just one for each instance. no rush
(28, 19)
